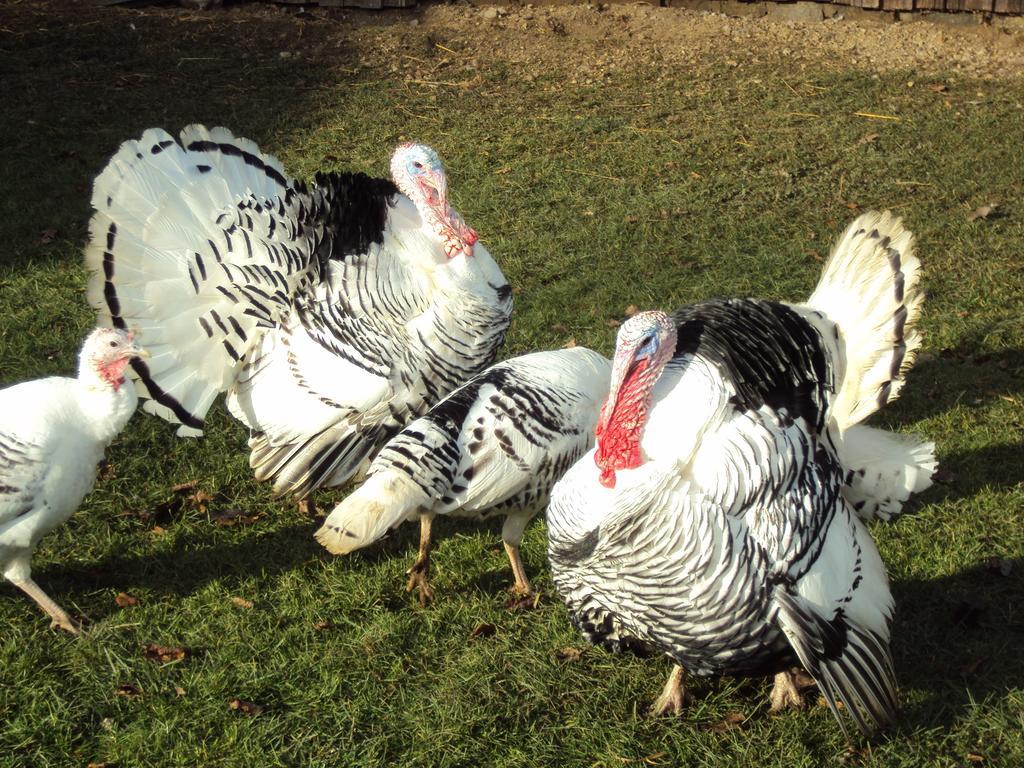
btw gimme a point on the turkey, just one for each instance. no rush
(719, 519)
(330, 314)
(53, 433)
(495, 446)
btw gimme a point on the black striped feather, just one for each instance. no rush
(20, 474)
(850, 663)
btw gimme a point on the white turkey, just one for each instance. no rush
(53, 433)
(495, 446)
(719, 518)
(331, 314)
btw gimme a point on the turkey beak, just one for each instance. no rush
(135, 350)
(623, 365)
(435, 181)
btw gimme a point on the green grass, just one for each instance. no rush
(646, 191)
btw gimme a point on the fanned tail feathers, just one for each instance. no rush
(884, 469)
(197, 242)
(382, 502)
(870, 288)
(851, 664)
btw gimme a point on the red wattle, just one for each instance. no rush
(618, 435)
(113, 373)
(607, 478)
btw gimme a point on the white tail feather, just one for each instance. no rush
(185, 246)
(870, 288)
(884, 469)
(382, 502)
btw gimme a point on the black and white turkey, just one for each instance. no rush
(495, 446)
(53, 433)
(719, 519)
(331, 313)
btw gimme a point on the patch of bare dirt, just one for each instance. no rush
(589, 41)
(583, 43)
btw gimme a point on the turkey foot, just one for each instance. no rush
(523, 596)
(786, 693)
(59, 618)
(674, 696)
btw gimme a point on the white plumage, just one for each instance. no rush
(718, 520)
(331, 314)
(53, 433)
(494, 446)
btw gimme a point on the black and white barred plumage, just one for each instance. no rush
(330, 313)
(729, 541)
(495, 446)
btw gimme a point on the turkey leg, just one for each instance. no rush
(54, 611)
(421, 568)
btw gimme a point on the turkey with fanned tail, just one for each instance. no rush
(719, 519)
(495, 446)
(330, 313)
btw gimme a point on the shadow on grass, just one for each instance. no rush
(961, 375)
(97, 76)
(958, 639)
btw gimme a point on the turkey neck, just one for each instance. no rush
(107, 398)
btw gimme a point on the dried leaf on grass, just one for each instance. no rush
(124, 600)
(524, 603)
(569, 343)
(730, 722)
(199, 500)
(323, 625)
(631, 310)
(483, 629)
(244, 707)
(165, 653)
(127, 690)
(241, 602)
(568, 654)
(982, 212)
(181, 501)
